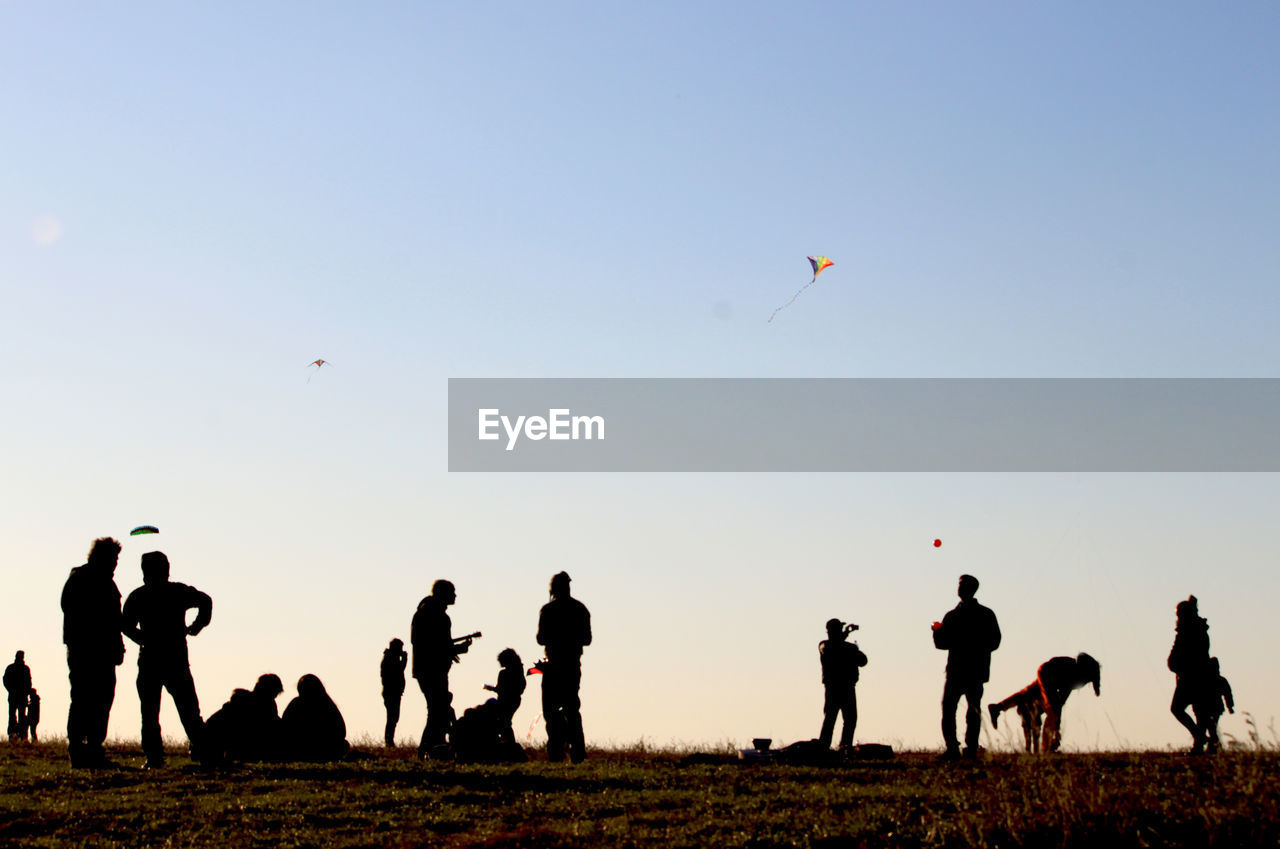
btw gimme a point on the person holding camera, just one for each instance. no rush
(841, 661)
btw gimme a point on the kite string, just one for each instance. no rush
(793, 299)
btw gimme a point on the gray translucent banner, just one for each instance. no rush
(864, 425)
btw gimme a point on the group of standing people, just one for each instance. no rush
(95, 622)
(564, 629)
(1201, 685)
(94, 625)
(24, 701)
(970, 633)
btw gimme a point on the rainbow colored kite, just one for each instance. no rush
(318, 364)
(818, 263)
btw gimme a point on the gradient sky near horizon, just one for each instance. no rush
(197, 200)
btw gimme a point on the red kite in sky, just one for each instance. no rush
(317, 364)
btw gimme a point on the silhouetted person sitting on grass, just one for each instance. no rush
(969, 634)
(91, 632)
(841, 661)
(478, 736)
(509, 690)
(247, 727)
(1209, 708)
(1055, 680)
(394, 659)
(155, 617)
(17, 681)
(483, 733)
(313, 726)
(1189, 660)
(33, 714)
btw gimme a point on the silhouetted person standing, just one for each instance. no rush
(33, 714)
(17, 682)
(1189, 660)
(969, 634)
(394, 659)
(91, 632)
(841, 661)
(155, 617)
(564, 628)
(434, 652)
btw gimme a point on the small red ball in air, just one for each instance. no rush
(937, 543)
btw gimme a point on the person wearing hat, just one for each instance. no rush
(394, 659)
(1189, 661)
(564, 628)
(155, 617)
(840, 660)
(968, 634)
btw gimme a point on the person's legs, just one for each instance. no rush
(183, 690)
(950, 701)
(972, 718)
(149, 687)
(93, 689)
(850, 710)
(830, 710)
(15, 716)
(573, 713)
(556, 709)
(1181, 701)
(435, 689)
(392, 703)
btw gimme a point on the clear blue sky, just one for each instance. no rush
(198, 200)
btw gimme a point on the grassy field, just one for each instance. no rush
(642, 798)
